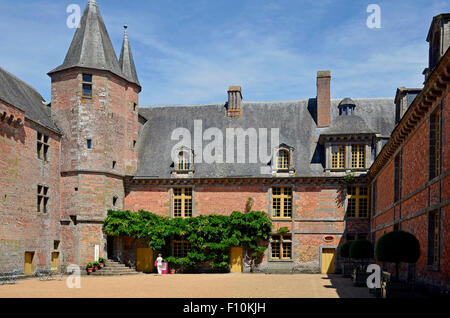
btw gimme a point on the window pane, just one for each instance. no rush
(276, 206)
(87, 78)
(276, 246)
(287, 250)
(87, 90)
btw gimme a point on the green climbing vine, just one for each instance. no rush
(211, 236)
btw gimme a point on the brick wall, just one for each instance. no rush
(419, 196)
(22, 228)
(318, 213)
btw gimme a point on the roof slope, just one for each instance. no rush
(91, 46)
(295, 120)
(126, 61)
(19, 94)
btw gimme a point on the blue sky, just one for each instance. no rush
(189, 52)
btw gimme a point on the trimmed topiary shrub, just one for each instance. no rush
(397, 247)
(344, 251)
(361, 249)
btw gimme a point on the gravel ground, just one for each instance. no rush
(192, 286)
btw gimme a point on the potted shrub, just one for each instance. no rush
(89, 268)
(397, 247)
(102, 262)
(347, 266)
(96, 266)
(362, 251)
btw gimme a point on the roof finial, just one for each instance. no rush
(92, 2)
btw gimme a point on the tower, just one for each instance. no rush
(94, 103)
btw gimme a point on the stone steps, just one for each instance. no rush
(113, 268)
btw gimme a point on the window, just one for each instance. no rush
(183, 161)
(281, 202)
(89, 143)
(338, 157)
(283, 160)
(42, 198)
(433, 238)
(397, 173)
(42, 146)
(134, 107)
(114, 164)
(358, 156)
(181, 247)
(115, 201)
(281, 246)
(87, 86)
(134, 144)
(374, 197)
(435, 144)
(182, 202)
(358, 202)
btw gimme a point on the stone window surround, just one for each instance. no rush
(269, 249)
(290, 172)
(189, 173)
(348, 155)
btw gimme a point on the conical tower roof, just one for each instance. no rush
(91, 46)
(126, 60)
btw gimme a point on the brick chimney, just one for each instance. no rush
(234, 101)
(323, 98)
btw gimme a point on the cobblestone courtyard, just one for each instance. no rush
(192, 286)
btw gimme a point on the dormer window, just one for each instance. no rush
(283, 160)
(183, 161)
(346, 107)
(338, 157)
(359, 156)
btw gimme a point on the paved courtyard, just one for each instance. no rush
(192, 286)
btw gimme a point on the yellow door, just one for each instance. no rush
(328, 260)
(144, 260)
(236, 259)
(28, 270)
(55, 260)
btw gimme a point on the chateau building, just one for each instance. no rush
(327, 170)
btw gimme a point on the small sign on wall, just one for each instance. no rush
(97, 253)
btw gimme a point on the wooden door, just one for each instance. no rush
(144, 260)
(55, 261)
(328, 260)
(28, 268)
(236, 256)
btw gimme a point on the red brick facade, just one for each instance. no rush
(421, 194)
(22, 228)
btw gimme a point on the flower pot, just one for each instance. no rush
(89, 270)
(102, 265)
(172, 271)
(95, 268)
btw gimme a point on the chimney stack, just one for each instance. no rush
(323, 99)
(234, 101)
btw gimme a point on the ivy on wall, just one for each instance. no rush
(211, 236)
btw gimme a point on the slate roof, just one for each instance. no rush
(91, 46)
(126, 61)
(295, 119)
(21, 95)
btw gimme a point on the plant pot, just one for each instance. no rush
(172, 271)
(89, 270)
(102, 265)
(95, 268)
